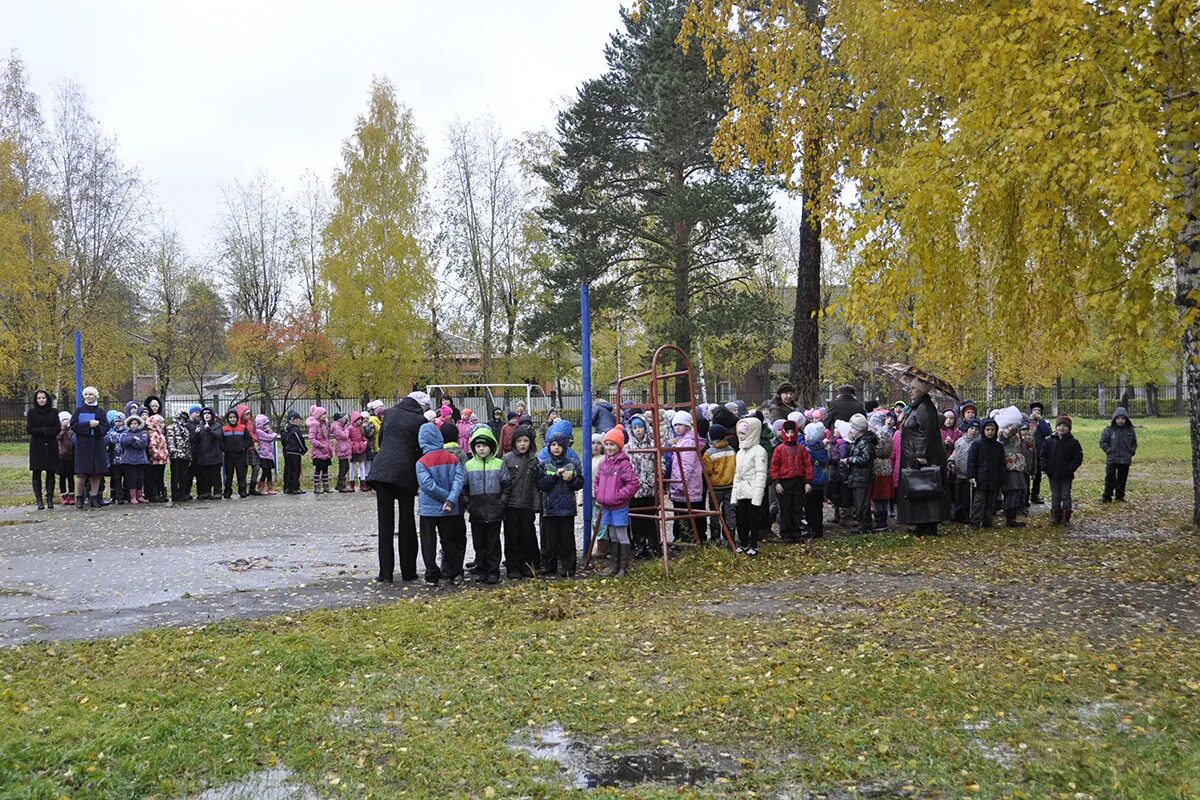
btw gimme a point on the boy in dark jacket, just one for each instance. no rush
(484, 472)
(792, 473)
(207, 457)
(440, 480)
(861, 461)
(1061, 456)
(518, 485)
(985, 474)
(560, 476)
(234, 444)
(294, 449)
(1119, 443)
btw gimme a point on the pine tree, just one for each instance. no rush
(374, 262)
(638, 208)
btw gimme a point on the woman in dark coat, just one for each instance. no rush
(90, 424)
(921, 446)
(394, 480)
(41, 422)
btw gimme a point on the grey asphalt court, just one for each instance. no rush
(85, 574)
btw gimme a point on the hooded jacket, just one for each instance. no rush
(791, 460)
(691, 487)
(603, 418)
(396, 461)
(560, 427)
(246, 420)
(236, 439)
(558, 495)
(952, 433)
(818, 453)
(484, 476)
(720, 462)
(615, 481)
(751, 473)
(320, 441)
(133, 446)
(150, 411)
(112, 439)
(265, 437)
(180, 438)
(293, 439)
(958, 459)
(158, 452)
(861, 459)
(518, 483)
(209, 437)
(643, 463)
(985, 463)
(440, 478)
(358, 440)
(1119, 444)
(466, 425)
(1061, 456)
(340, 435)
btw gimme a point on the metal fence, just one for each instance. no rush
(1094, 400)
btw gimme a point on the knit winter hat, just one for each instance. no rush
(616, 436)
(65, 416)
(788, 430)
(337, 415)
(523, 431)
(717, 432)
(374, 404)
(858, 422)
(974, 423)
(466, 413)
(814, 432)
(293, 415)
(597, 438)
(134, 421)
(421, 398)
(430, 416)
(1063, 419)
(198, 409)
(513, 415)
(682, 418)
(450, 434)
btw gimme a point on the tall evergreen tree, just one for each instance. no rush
(638, 207)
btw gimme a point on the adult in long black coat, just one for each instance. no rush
(394, 479)
(90, 424)
(844, 406)
(41, 422)
(921, 446)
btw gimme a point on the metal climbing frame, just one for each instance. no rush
(664, 511)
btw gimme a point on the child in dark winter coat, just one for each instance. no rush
(814, 499)
(440, 481)
(234, 445)
(116, 458)
(179, 448)
(208, 456)
(861, 460)
(791, 473)
(561, 475)
(1061, 456)
(522, 501)
(1119, 443)
(985, 474)
(294, 449)
(134, 444)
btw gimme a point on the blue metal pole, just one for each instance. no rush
(585, 321)
(78, 369)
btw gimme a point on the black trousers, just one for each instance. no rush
(454, 546)
(486, 536)
(1037, 483)
(558, 544)
(814, 511)
(268, 468)
(235, 466)
(66, 469)
(387, 497)
(291, 472)
(862, 507)
(155, 475)
(208, 480)
(1115, 476)
(37, 483)
(791, 508)
(981, 507)
(747, 522)
(343, 471)
(181, 478)
(116, 483)
(961, 509)
(643, 532)
(521, 556)
(135, 476)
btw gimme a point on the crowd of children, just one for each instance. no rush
(750, 469)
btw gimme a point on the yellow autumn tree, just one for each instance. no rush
(1021, 166)
(374, 265)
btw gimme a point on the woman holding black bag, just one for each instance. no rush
(922, 501)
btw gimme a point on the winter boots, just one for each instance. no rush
(1066, 517)
(624, 554)
(352, 485)
(40, 505)
(325, 485)
(258, 488)
(1056, 517)
(601, 550)
(316, 483)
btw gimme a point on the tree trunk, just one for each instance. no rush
(805, 366)
(1187, 291)
(805, 363)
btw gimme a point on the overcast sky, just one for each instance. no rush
(200, 93)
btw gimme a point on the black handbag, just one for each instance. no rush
(920, 483)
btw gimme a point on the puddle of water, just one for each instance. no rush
(267, 784)
(586, 766)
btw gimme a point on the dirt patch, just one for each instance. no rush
(1103, 532)
(1066, 605)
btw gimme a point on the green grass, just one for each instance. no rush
(805, 701)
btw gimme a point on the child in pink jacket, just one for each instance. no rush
(340, 430)
(616, 483)
(320, 443)
(265, 442)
